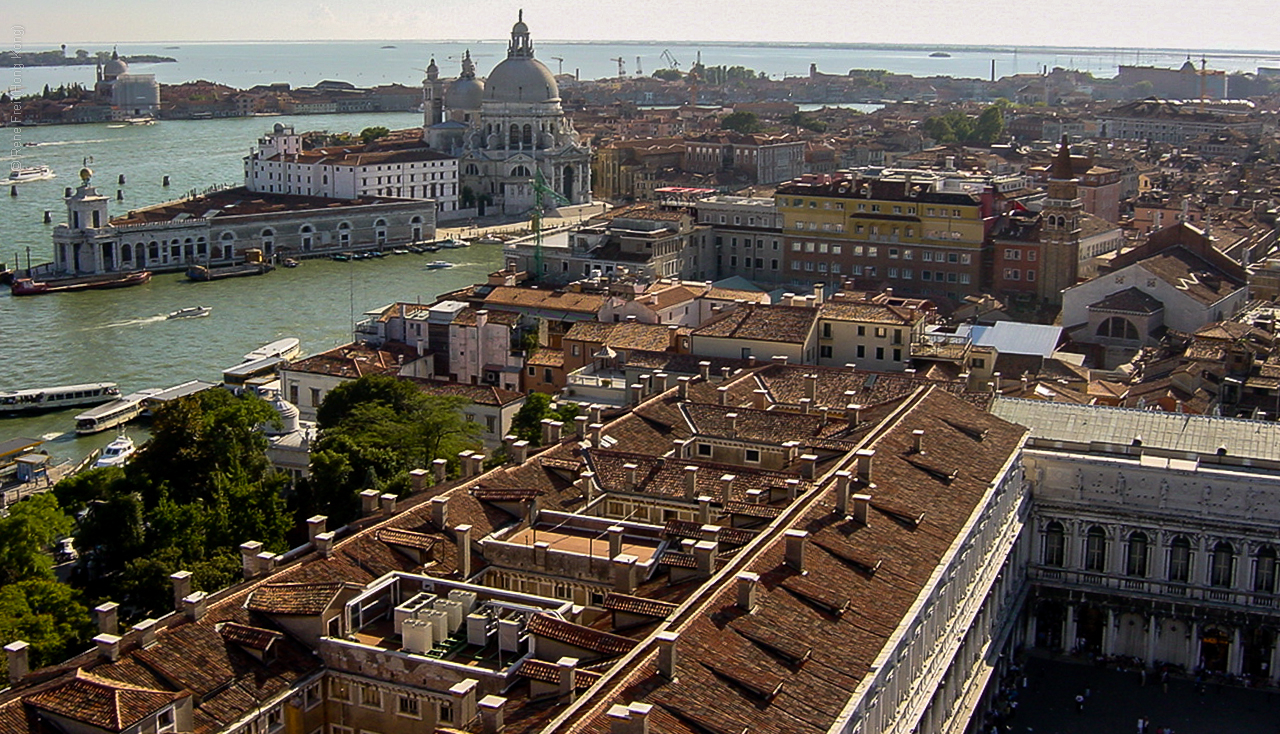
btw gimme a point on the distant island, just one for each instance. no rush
(59, 57)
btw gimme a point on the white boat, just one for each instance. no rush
(117, 453)
(57, 398)
(113, 414)
(287, 348)
(191, 312)
(30, 173)
(453, 243)
(439, 265)
(141, 120)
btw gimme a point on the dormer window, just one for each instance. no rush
(166, 722)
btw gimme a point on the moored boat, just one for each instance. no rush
(33, 287)
(116, 453)
(29, 173)
(439, 265)
(115, 413)
(56, 398)
(453, 243)
(190, 312)
(289, 262)
(288, 348)
(204, 273)
(342, 257)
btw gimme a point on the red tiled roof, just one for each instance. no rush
(554, 628)
(101, 702)
(293, 598)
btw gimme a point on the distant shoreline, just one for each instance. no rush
(9, 59)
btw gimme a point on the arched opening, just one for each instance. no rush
(308, 237)
(1215, 644)
(513, 137)
(1138, 554)
(568, 178)
(526, 136)
(1090, 624)
(1118, 327)
(1264, 571)
(126, 254)
(1095, 550)
(1222, 565)
(520, 172)
(380, 232)
(1050, 619)
(415, 225)
(472, 170)
(1180, 560)
(344, 234)
(1055, 545)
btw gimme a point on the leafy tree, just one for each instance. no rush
(957, 127)
(373, 431)
(370, 134)
(46, 614)
(743, 122)
(26, 535)
(527, 422)
(799, 119)
(668, 75)
(990, 125)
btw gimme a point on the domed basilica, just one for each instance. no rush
(505, 127)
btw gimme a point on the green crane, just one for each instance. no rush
(541, 191)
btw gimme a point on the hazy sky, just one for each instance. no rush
(1178, 24)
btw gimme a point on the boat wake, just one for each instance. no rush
(57, 435)
(130, 322)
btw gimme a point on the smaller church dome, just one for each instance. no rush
(115, 67)
(464, 94)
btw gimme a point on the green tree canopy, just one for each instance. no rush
(957, 127)
(26, 536)
(527, 422)
(668, 75)
(370, 134)
(373, 431)
(47, 615)
(743, 122)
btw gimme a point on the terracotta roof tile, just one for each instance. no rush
(615, 602)
(554, 628)
(101, 702)
(293, 598)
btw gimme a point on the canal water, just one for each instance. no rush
(121, 335)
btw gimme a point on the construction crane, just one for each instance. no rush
(541, 192)
(559, 64)
(622, 69)
(670, 59)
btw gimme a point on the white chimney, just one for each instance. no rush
(747, 584)
(668, 654)
(19, 662)
(796, 540)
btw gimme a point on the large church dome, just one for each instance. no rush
(115, 67)
(520, 77)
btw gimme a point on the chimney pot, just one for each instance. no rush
(567, 667)
(491, 715)
(796, 540)
(387, 503)
(633, 475)
(862, 508)
(704, 509)
(324, 543)
(462, 536)
(439, 468)
(704, 370)
(726, 488)
(368, 502)
(842, 493)
(146, 630)
(705, 553)
(108, 621)
(637, 393)
(809, 466)
(760, 399)
(580, 426)
(682, 385)
(615, 540)
(19, 662)
(418, 480)
(690, 482)
(917, 441)
(108, 646)
(181, 581)
(865, 457)
(315, 526)
(440, 512)
(747, 584)
(624, 573)
(249, 558)
(195, 604)
(668, 655)
(722, 395)
(519, 451)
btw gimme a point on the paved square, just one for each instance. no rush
(1117, 700)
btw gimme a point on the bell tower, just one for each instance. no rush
(1060, 228)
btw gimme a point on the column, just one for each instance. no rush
(1153, 635)
(1109, 633)
(1235, 654)
(1159, 558)
(1275, 660)
(1069, 635)
(1194, 661)
(1031, 628)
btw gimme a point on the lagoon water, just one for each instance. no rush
(122, 335)
(366, 63)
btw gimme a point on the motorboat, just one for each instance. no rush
(289, 262)
(36, 400)
(342, 257)
(140, 120)
(454, 243)
(117, 453)
(23, 174)
(439, 265)
(190, 312)
(288, 348)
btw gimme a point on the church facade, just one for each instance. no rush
(507, 128)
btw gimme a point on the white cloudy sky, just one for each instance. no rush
(1178, 24)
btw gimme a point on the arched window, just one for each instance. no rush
(153, 251)
(526, 138)
(1055, 545)
(126, 253)
(1138, 555)
(415, 226)
(1222, 564)
(1118, 327)
(1180, 560)
(472, 170)
(1264, 571)
(380, 231)
(513, 138)
(344, 234)
(308, 234)
(1095, 550)
(520, 172)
